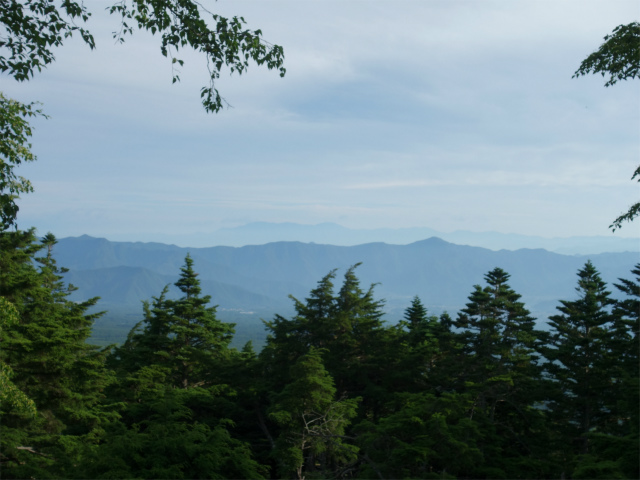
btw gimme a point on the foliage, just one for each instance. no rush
(632, 213)
(422, 347)
(615, 447)
(14, 150)
(427, 436)
(11, 397)
(182, 338)
(346, 323)
(34, 28)
(175, 421)
(311, 441)
(580, 364)
(498, 367)
(181, 24)
(618, 57)
(334, 394)
(52, 365)
(171, 438)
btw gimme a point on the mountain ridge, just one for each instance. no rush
(260, 278)
(260, 233)
(275, 266)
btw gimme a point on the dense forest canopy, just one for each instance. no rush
(336, 392)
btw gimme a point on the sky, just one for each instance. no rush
(453, 115)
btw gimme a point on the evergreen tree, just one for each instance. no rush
(359, 353)
(11, 397)
(425, 436)
(625, 353)
(627, 325)
(499, 366)
(312, 423)
(290, 339)
(420, 357)
(52, 364)
(177, 433)
(418, 325)
(169, 371)
(614, 445)
(347, 324)
(182, 338)
(579, 363)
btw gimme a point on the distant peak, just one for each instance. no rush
(432, 241)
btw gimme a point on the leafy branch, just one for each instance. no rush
(618, 57)
(181, 24)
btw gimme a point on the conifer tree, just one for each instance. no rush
(52, 364)
(169, 372)
(420, 361)
(290, 339)
(579, 363)
(498, 366)
(424, 436)
(359, 353)
(312, 423)
(183, 338)
(347, 324)
(11, 397)
(627, 325)
(613, 445)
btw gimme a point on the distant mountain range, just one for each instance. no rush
(259, 233)
(254, 281)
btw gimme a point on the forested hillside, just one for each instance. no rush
(253, 282)
(335, 393)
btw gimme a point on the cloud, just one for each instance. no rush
(448, 114)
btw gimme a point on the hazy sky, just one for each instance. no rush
(443, 114)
